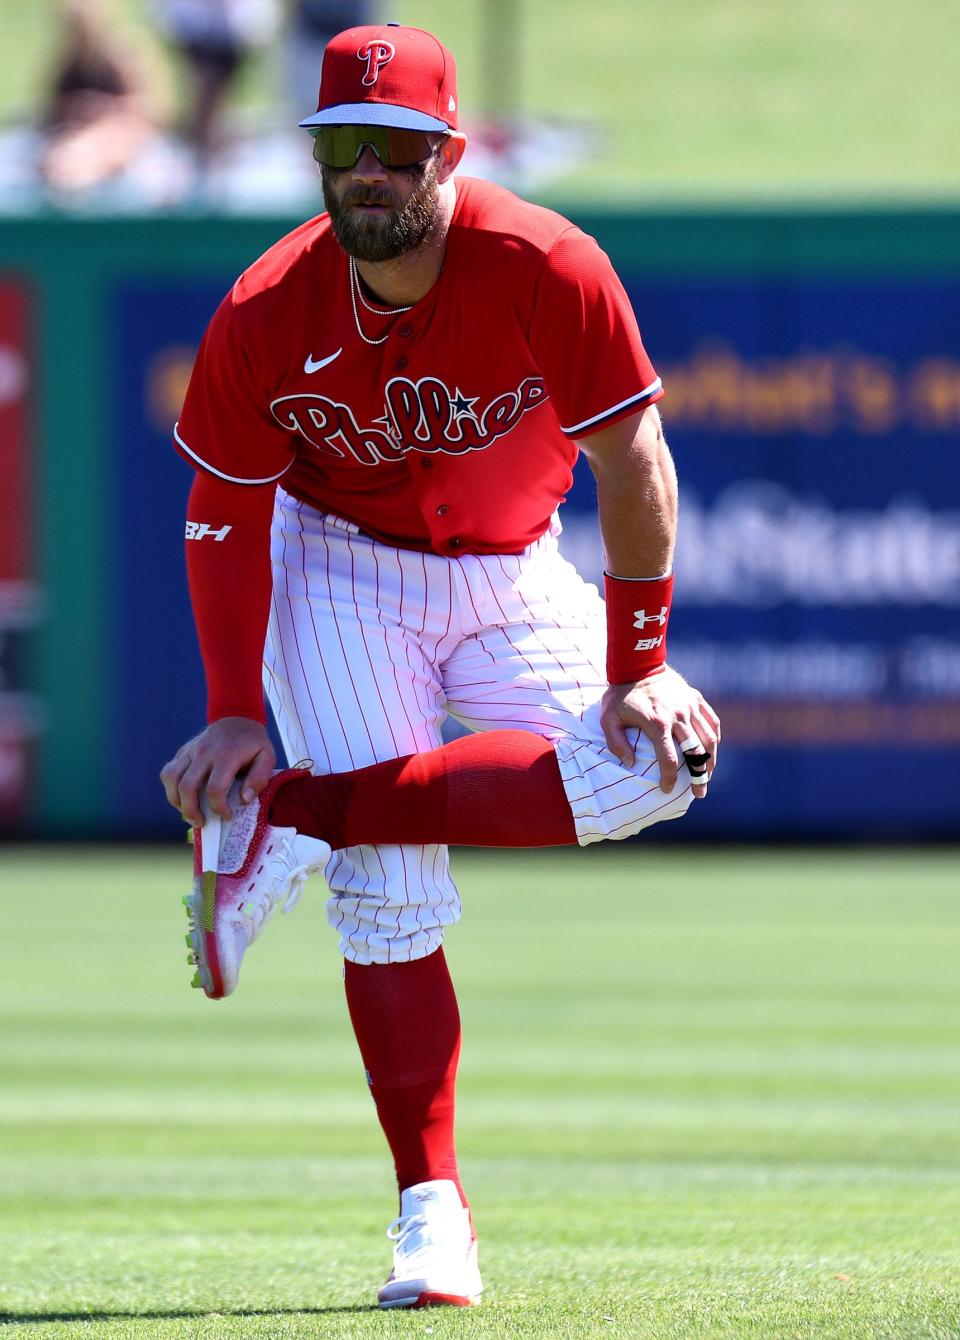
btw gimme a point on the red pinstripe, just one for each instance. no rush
(412, 734)
(366, 648)
(283, 702)
(313, 624)
(374, 756)
(296, 641)
(632, 827)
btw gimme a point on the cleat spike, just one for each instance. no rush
(188, 939)
(192, 958)
(196, 979)
(187, 900)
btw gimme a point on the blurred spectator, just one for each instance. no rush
(214, 37)
(96, 115)
(311, 25)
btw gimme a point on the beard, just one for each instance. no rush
(369, 238)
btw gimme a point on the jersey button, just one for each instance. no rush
(425, 464)
(455, 542)
(443, 509)
(400, 364)
(406, 330)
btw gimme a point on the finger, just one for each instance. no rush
(699, 766)
(222, 776)
(661, 738)
(699, 747)
(696, 753)
(258, 774)
(170, 775)
(188, 795)
(708, 735)
(615, 734)
(697, 762)
(710, 716)
(711, 740)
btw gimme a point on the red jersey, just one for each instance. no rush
(452, 426)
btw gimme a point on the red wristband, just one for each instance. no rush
(637, 615)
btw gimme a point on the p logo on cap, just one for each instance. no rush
(375, 54)
(386, 74)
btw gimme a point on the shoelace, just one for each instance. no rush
(402, 1227)
(267, 898)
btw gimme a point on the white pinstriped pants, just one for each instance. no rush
(369, 647)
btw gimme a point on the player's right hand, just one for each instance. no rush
(228, 748)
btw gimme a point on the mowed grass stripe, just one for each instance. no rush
(704, 1094)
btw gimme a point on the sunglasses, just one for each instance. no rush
(341, 146)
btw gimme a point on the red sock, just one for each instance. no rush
(407, 1025)
(499, 789)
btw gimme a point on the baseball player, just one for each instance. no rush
(383, 417)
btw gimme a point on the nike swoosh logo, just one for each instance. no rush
(311, 366)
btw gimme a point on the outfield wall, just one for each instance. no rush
(812, 366)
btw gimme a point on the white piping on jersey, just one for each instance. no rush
(231, 479)
(630, 400)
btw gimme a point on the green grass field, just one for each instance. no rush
(846, 99)
(703, 1094)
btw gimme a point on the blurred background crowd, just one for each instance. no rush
(168, 104)
(144, 113)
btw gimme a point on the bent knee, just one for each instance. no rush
(610, 801)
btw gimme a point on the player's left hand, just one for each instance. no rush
(672, 714)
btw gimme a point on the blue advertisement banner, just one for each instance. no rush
(815, 424)
(158, 692)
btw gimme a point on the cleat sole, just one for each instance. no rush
(199, 941)
(430, 1299)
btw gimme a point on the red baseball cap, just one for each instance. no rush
(387, 75)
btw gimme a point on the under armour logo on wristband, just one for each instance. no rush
(642, 618)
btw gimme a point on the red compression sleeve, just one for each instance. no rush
(501, 788)
(228, 571)
(407, 1026)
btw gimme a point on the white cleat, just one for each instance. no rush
(434, 1250)
(244, 868)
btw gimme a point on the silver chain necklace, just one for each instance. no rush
(355, 292)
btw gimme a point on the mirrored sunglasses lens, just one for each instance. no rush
(336, 146)
(341, 146)
(407, 147)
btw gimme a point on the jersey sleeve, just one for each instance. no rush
(224, 427)
(584, 336)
